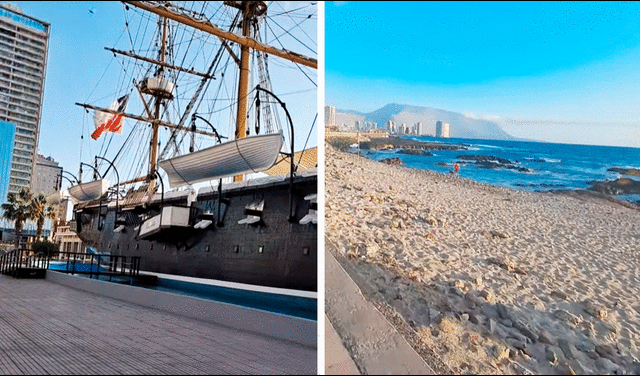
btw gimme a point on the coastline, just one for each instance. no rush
(493, 280)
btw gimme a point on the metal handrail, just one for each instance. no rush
(12, 262)
(114, 264)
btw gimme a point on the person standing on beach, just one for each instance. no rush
(456, 168)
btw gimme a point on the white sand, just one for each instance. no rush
(495, 280)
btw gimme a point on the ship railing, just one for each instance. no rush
(23, 262)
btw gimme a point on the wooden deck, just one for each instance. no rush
(46, 328)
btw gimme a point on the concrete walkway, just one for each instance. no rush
(46, 328)
(373, 343)
(337, 358)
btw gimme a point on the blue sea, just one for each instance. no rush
(550, 166)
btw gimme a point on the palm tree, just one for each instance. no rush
(17, 209)
(39, 211)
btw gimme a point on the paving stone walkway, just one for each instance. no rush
(46, 328)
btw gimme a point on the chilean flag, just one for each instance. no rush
(106, 122)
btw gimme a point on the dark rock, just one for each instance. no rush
(419, 152)
(518, 336)
(433, 315)
(593, 355)
(568, 349)
(476, 319)
(585, 346)
(578, 367)
(517, 344)
(606, 351)
(605, 365)
(625, 171)
(567, 317)
(397, 142)
(622, 186)
(484, 158)
(493, 327)
(392, 161)
(503, 311)
(565, 369)
(554, 354)
(498, 234)
(476, 300)
(546, 337)
(491, 162)
(559, 294)
(526, 330)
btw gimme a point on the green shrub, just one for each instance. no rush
(45, 248)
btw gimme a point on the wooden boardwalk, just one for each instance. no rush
(46, 328)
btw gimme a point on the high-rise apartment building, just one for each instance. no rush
(24, 44)
(442, 130)
(46, 176)
(391, 127)
(329, 116)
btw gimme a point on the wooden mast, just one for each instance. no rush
(243, 83)
(153, 153)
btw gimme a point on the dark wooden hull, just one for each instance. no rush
(275, 252)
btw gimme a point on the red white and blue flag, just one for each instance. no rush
(108, 122)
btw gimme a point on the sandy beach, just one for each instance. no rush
(492, 280)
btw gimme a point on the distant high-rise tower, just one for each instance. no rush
(442, 130)
(24, 43)
(420, 130)
(46, 176)
(329, 116)
(391, 127)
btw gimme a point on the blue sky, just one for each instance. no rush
(551, 71)
(81, 70)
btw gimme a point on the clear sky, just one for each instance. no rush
(564, 72)
(81, 70)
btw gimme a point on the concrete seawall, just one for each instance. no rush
(297, 330)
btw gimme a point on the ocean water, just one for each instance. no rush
(550, 166)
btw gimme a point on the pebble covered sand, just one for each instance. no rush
(493, 280)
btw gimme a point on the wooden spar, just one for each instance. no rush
(225, 44)
(153, 152)
(147, 120)
(161, 63)
(207, 27)
(243, 83)
(136, 180)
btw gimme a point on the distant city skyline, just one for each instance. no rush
(556, 72)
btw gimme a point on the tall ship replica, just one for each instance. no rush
(205, 181)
